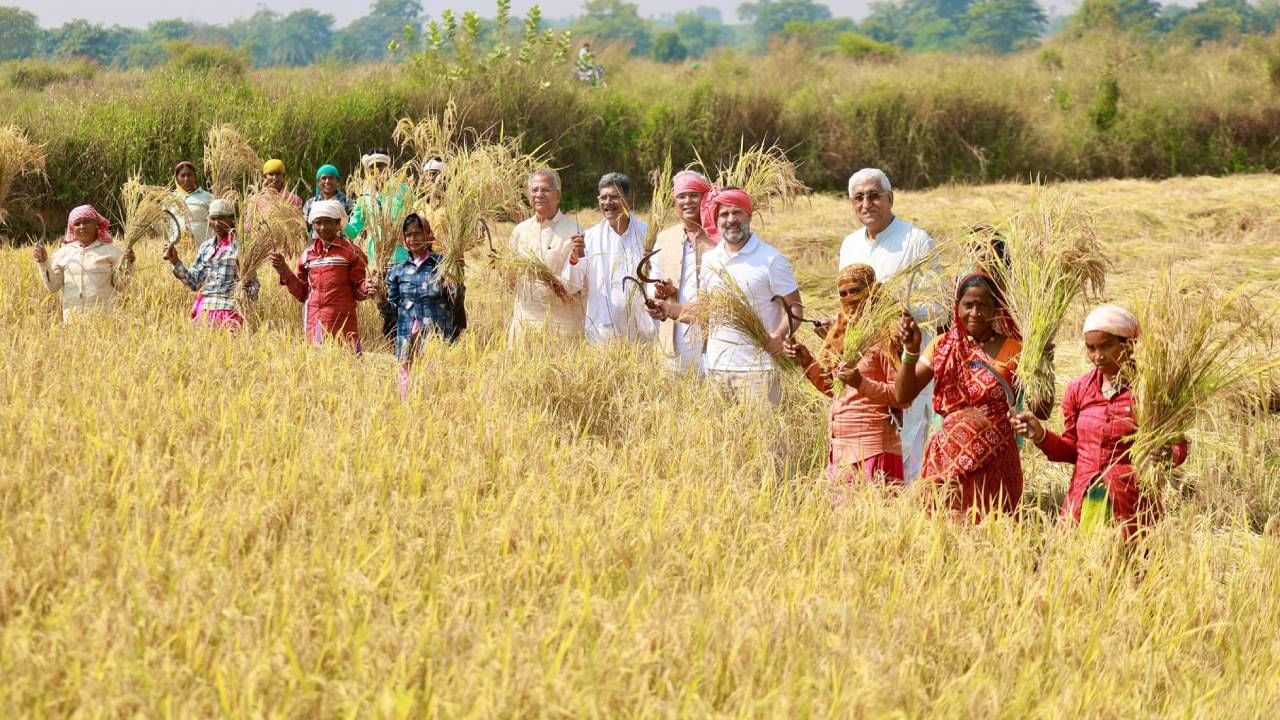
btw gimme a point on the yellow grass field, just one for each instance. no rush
(196, 525)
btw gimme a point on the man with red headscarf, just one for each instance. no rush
(679, 264)
(760, 272)
(88, 269)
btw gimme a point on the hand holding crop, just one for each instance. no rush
(848, 374)
(909, 334)
(170, 254)
(774, 346)
(277, 262)
(796, 351)
(129, 257)
(579, 246)
(39, 253)
(1028, 426)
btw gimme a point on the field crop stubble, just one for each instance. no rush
(197, 523)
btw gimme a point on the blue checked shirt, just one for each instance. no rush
(420, 304)
(213, 274)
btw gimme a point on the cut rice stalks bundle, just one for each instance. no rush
(526, 267)
(1196, 345)
(1053, 257)
(151, 211)
(479, 185)
(230, 163)
(268, 223)
(729, 306)
(431, 137)
(19, 157)
(384, 199)
(764, 173)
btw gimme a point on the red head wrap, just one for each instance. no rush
(83, 212)
(711, 203)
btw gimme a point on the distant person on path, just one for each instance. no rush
(745, 371)
(328, 187)
(1098, 419)
(888, 244)
(973, 457)
(681, 249)
(330, 278)
(600, 260)
(548, 236)
(863, 443)
(197, 199)
(213, 274)
(86, 269)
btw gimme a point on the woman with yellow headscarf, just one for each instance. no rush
(863, 441)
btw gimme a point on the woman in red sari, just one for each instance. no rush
(973, 364)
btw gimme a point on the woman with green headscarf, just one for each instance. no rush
(328, 182)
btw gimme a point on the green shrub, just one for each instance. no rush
(208, 59)
(1106, 102)
(860, 47)
(39, 74)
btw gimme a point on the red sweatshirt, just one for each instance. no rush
(329, 282)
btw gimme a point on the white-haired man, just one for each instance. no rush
(549, 236)
(889, 244)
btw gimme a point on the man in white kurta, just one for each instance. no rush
(548, 236)
(611, 250)
(889, 244)
(681, 249)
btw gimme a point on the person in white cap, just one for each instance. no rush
(330, 278)
(214, 275)
(1098, 421)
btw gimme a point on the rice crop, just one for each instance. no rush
(728, 305)
(529, 268)
(19, 158)
(269, 223)
(206, 524)
(1054, 256)
(765, 173)
(230, 163)
(151, 211)
(385, 198)
(434, 136)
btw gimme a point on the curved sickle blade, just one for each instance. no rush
(173, 228)
(642, 268)
(488, 236)
(1009, 396)
(640, 287)
(793, 323)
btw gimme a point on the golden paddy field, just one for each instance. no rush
(194, 524)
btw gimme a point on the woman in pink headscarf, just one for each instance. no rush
(1098, 419)
(88, 269)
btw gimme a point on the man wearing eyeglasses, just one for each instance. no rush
(889, 244)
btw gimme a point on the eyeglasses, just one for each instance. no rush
(871, 197)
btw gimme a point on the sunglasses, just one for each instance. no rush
(871, 197)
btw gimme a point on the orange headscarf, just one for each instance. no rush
(851, 304)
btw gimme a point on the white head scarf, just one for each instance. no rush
(327, 209)
(375, 158)
(1112, 319)
(222, 208)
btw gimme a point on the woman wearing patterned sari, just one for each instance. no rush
(973, 366)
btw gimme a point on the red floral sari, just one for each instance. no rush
(974, 454)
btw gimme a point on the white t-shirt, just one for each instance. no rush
(762, 272)
(613, 309)
(900, 244)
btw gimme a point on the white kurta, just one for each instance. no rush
(614, 309)
(899, 245)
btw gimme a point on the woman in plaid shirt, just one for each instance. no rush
(214, 273)
(415, 298)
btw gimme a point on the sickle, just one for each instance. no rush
(640, 287)
(794, 320)
(642, 267)
(1010, 397)
(488, 236)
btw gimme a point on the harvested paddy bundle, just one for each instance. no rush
(269, 223)
(1196, 345)
(765, 174)
(1051, 256)
(478, 185)
(523, 266)
(151, 211)
(729, 306)
(384, 199)
(19, 157)
(230, 163)
(431, 137)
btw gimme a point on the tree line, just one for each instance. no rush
(305, 37)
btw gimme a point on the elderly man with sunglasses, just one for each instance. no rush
(889, 244)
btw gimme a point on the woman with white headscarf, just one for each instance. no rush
(1098, 420)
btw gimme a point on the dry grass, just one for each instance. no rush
(230, 163)
(432, 136)
(19, 157)
(563, 530)
(764, 173)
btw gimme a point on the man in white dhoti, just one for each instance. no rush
(889, 244)
(609, 252)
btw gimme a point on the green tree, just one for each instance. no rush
(175, 29)
(698, 33)
(367, 38)
(769, 17)
(919, 24)
(19, 34)
(668, 48)
(1003, 25)
(614, 21)
(1138, 16)
(302, 37)
(820, 35)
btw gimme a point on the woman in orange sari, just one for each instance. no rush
(973, 364)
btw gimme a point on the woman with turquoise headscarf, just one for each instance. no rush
(328, 187)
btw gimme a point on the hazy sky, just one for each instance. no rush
(138, 13)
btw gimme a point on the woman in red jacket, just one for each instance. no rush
(1098, 420)
(330, 279)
